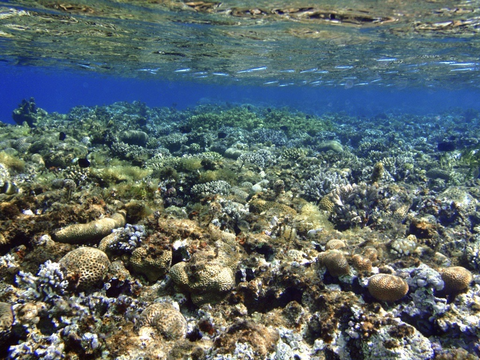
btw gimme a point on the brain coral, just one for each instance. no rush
(387, 287)
(456, 279)
(335, 244)
(153, 264)
(335, 262)
(165, 319)
(85, 267)
(361, 263)
(206, 282)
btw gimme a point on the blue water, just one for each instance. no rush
(59, 91)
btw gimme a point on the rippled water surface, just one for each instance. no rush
(272, 43)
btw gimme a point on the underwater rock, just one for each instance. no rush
(93, 231)
(6, 321)
(398, 341)
(27, 112)
(85, 267)
(436, 173)
(259, 339)
(332, 145)
(233, 153)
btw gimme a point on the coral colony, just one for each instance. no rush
(238, 232)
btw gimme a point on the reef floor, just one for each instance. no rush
(238, 232)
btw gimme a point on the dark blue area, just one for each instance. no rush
(59, 91)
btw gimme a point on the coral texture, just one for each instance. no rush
(90, 232)
(85, 267)
(387, 287)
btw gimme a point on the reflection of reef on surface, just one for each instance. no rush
(254, 232)
(251, 41)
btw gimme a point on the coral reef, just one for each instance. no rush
(165, 320)
(205, 281)
(238, 232)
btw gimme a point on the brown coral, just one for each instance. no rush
(85, 267)
(152, 262)
(335, 244)
(361, 263)
(206, 282)
(335, 262)
(387, 287)
(456, 279)
(165, 319)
